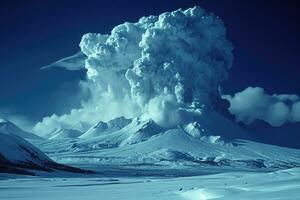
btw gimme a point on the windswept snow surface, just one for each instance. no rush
(283, 185)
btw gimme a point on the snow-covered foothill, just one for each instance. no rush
(20, 157)
(11, 129)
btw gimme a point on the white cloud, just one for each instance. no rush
(295, 112)
(253, 103)
(157, 65)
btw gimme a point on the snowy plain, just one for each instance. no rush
(283, 185)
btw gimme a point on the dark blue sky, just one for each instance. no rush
(265, 35)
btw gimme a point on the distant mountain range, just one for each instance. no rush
(141, 142)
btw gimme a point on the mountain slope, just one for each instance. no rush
(143, 142)
(102, 128)
(65, 133)
(19, 156)
(11, 129)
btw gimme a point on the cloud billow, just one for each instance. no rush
(159, 66)
(253, 103)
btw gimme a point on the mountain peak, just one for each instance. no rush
(9, 128)
(3, 120)
(106, 127)
(65, 133)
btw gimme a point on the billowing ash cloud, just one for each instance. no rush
(253, 103)
(159, 67)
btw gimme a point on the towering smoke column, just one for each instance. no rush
(165, 67)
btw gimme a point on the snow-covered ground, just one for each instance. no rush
(284, 184)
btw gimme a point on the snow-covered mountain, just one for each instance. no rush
(19, 156)
(135, 132)
(11, 129)
(64, 133)
(143, 142)
(104, 128)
